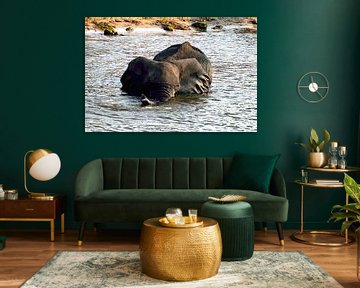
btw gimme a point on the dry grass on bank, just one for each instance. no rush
(180, 23)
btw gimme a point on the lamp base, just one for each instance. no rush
(41, 196)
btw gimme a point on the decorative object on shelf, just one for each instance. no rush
(350, 213)
(304, 176)
(11, 194)
(342, 153)
(333, 146)
(43, 165)
(313, 87)
(317, 157)
(2, 192)
(228, 198)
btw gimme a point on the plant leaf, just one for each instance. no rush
(352, 188)
(352, 207)
(314, 136)
(346, 225)
(326, 136)
(337, 216)
(312, 144)
(321, 146)
(306, 146)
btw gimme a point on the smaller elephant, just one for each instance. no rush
(179, 69)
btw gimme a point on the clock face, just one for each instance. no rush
(313, 87)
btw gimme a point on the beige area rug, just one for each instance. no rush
(80, 269)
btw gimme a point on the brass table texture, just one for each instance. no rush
(297, 235)
(180, 254)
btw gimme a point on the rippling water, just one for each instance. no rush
(231, 105)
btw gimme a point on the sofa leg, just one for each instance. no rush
(280, 233)
(81, 233)
(265, 227)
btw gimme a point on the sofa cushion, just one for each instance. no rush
(266, 207)
(251, 172)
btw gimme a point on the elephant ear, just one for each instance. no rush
(193, 78)
(133, 78)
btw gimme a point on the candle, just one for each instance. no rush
(333, 144)
(342, 154)
(342, 149)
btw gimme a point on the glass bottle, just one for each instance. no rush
(2, 192)
(333, 159)
(342, 154)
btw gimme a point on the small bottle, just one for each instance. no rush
(304, 176)
(2, 192)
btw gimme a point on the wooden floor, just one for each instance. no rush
(28, 250)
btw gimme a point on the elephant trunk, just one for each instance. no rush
(158, 92)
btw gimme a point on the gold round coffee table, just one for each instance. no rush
(180, 254)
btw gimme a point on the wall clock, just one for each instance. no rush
(313, 87)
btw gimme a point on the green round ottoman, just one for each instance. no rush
(236, 221)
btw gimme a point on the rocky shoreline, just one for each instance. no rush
(109, 25)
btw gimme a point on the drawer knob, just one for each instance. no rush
(29, 209)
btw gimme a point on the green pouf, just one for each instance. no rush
(2, 242)
(236, 221)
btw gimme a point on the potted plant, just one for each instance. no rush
(317, 157)
(350, 213)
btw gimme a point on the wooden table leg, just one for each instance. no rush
(52, 230)
(302, 209)
(63, 223)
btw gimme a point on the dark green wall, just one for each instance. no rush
(42, 88)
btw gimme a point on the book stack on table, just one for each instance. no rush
(327, 181)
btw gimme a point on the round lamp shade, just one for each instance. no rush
(44, 164)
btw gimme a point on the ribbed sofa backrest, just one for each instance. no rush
(165, 173)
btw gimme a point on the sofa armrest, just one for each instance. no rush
(89, 179)
(277, 184)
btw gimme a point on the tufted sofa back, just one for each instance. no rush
(164, 173)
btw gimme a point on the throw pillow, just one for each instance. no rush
(251, 172)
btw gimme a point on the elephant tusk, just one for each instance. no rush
(145, 101)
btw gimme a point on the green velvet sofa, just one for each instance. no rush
(130, 190)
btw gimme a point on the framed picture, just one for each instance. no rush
(170, 74)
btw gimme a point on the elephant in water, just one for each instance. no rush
(179, 69)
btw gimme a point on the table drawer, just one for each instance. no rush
(28, 209)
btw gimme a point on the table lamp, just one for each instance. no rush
(43, 165)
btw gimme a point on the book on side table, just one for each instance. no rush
(327, 181)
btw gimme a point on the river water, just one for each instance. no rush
(231, 105)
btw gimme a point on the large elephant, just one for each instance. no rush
(179, 69)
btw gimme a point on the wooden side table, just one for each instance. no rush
(26, 209)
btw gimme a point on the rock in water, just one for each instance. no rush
(200, 26)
